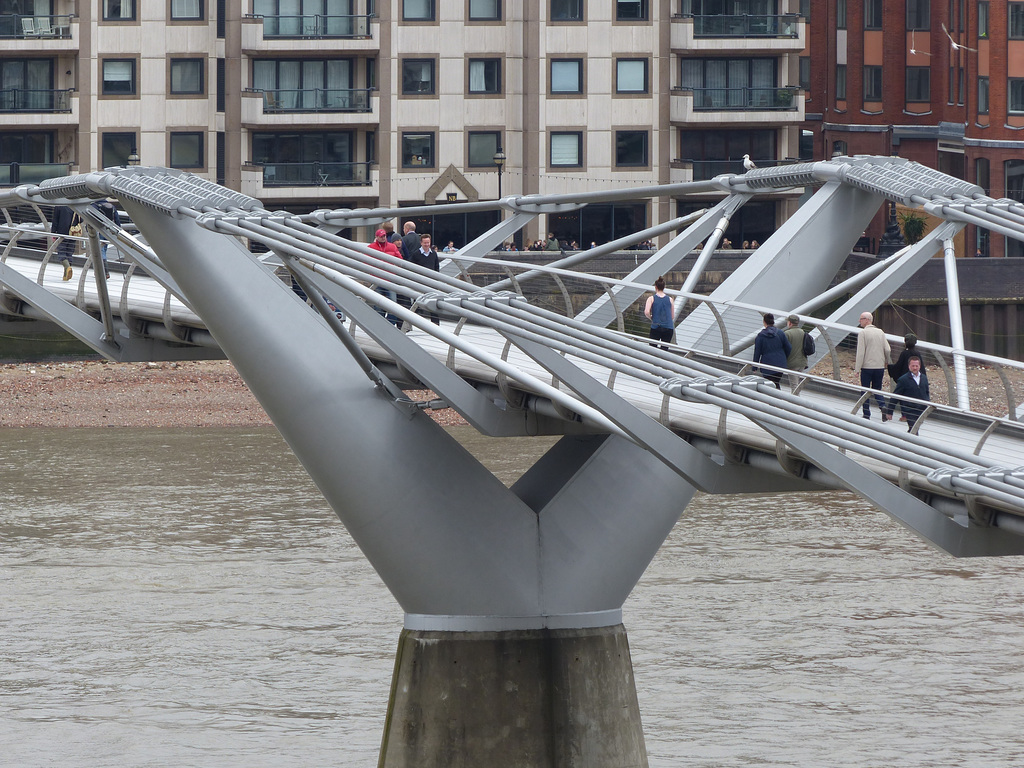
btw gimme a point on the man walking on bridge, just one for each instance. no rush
(873, 354)
(914, 384)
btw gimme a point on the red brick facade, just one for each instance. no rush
(947, 131)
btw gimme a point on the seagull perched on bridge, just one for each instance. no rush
(748, 163)
(954, 43)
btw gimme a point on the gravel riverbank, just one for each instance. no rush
(212, 394)
(102, 394)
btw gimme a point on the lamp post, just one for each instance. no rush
(133, 158)
(499, 161)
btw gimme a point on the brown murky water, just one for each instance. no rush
(181, 598)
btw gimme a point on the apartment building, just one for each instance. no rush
(310, 104)
(941, 83)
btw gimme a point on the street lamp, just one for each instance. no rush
(133, 158)
(499, 160)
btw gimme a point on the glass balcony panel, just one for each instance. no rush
(743, 99)
(316, 25)
(316, 100)
(23, 100)
(316, 174)
(746, 25)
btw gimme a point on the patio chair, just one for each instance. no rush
(43, 26)
(28, 27)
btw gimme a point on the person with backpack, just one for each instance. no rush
(801, 347)
(771, 348)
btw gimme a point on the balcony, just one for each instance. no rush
(743, 33)
(282, 33)
(312, 107)
(316, 174)
(16, 27)
(316, 100)
(737, 105)
(22, 100)
(12, 174)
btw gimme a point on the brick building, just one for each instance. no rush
(941, 83)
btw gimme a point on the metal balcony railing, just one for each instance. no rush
(18, 27)
(317, 100)
(747, 25)
(24, 100)
(315, 25)
(316, 174)
(708, 99)
(30, 173)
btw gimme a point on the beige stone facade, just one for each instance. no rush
(354, 103)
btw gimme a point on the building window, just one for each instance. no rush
(482, 147)
(417, 76)
(118, 10)
(115, 148)
(983, 19)
(187, 150)
(307, 84)
(631, 76)
(918, 84)
(982, 95)
(840, 82)
(631, 10)
(1014, 170)
(962, 83)
(418, 150)
(840, 148)
(567, 76)
(730, 83)
(805, 72)
(872, 14)
(485, 75)
(27, 86)
(919, 14)
(186, 76)
(566, 149)
(872, 83)
(484, 10)
(567, 10)
(805, 9)
(1016, 96)
(981, 175)
(417, 10)
(713, 152)
(840, 14)
(187, 10)
(631, 148)
(118, 77)
(1016, 22)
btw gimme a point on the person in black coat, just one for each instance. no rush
(897, 369)
(426, 257)
(771, 347)
(914, 383)
(63, 219)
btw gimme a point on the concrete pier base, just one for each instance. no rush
(539, 698)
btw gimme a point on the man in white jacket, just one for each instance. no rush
(873, 354)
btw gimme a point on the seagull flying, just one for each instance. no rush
(748, 163)
(954, 43)
(914, 52)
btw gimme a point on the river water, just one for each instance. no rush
(179, 598)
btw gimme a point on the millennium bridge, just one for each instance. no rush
(513, 651)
